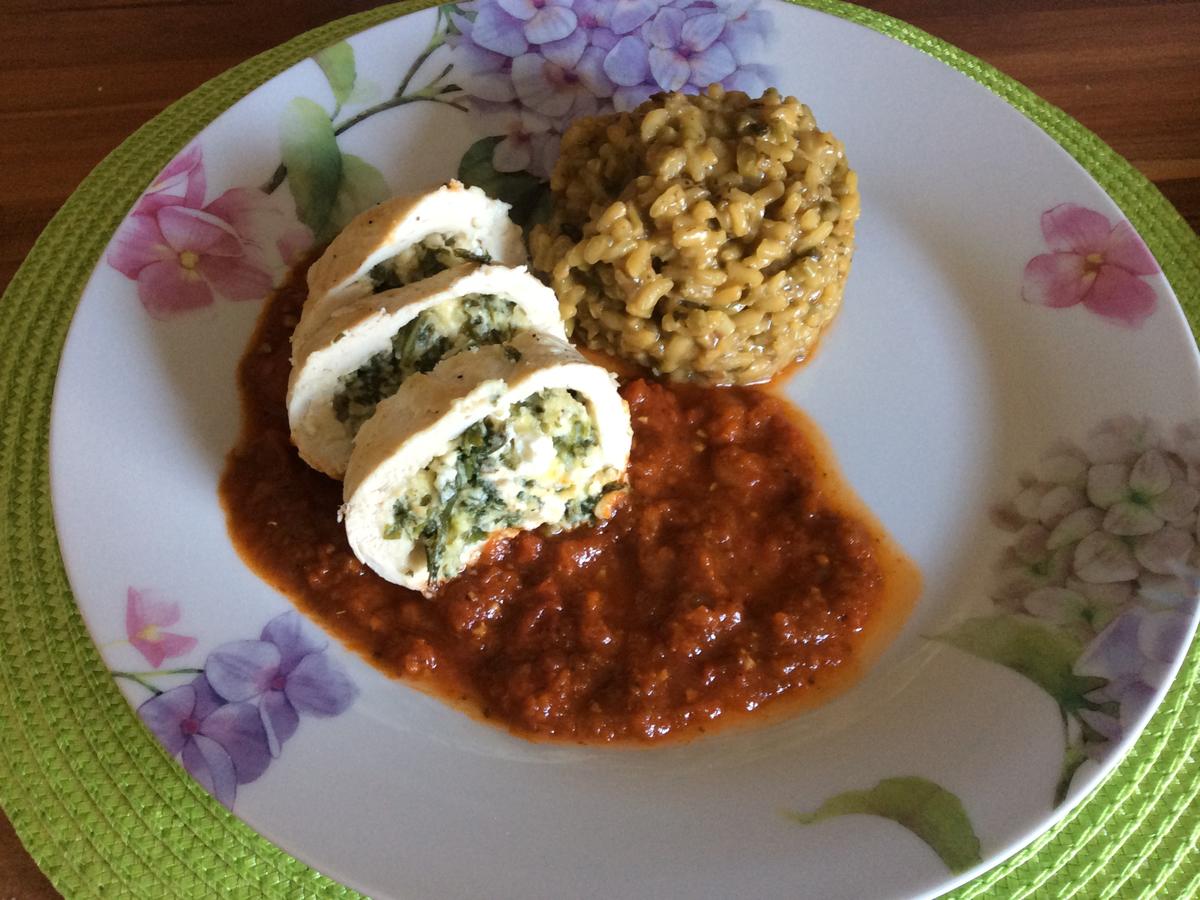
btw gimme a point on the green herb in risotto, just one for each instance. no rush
(475, 320)
(436, 253)
(508, 471)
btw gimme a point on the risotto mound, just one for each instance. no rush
(705, 237)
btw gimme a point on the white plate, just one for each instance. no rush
(941, 388)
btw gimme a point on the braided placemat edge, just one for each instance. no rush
(105, 812)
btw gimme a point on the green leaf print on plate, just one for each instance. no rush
(1044, 656)
(362, 186)
(1099, 581)
(314, 163)
(926, 809)
(337, 62)
(330, 188)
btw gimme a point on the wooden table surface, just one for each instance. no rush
(78, 76)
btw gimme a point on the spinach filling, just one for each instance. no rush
(483, 483)
(475, 320)
(436, 253)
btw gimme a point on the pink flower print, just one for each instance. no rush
(145, 617)
(258, 219)
(181, 182)
(293, 244)
(1092, 262)
(182, 253)
(180, 257)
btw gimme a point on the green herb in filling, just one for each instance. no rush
(434, 254)
(580, 510)
(573, 436)
(479, 486)
(475, 320)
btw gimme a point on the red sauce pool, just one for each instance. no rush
(740, 578)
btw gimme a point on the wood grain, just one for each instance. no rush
(78, 76)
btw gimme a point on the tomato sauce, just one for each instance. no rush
(739, 575)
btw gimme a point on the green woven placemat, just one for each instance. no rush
(104, 810)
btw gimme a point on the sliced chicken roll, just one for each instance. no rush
(364, 351)
(502, 439)
(406, 239)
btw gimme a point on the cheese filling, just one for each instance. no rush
(536, 463)
(434, 254)
(463, 323)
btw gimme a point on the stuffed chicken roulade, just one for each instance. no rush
(407, 239)
(364, 351)
(501, 439)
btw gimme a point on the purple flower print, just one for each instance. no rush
(145, 617)
(494, 29)
(561, 59)
(220, 744)
(527, 144)
(553, 90)
(1101, 574)
(627, 15)
(594, 21)
(485, 75)
(1122, 440)
(232, 718)
(1094, 263)
(686, 50)
(1133, 655)
(542, 21)
(182, 253)
(1102, 525)
(746, 29)
(288, 670)
(1078, 607)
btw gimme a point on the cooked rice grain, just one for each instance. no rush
(705, 237)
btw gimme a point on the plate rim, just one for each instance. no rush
(47, 787)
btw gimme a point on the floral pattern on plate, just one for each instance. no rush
(183, 252)
(1108, 644)
(145, 618)
(533, 66)
(1094, 263)
(234, 713)
(526, 68)
(1098, 586)
(925, 808)
(529, 68)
